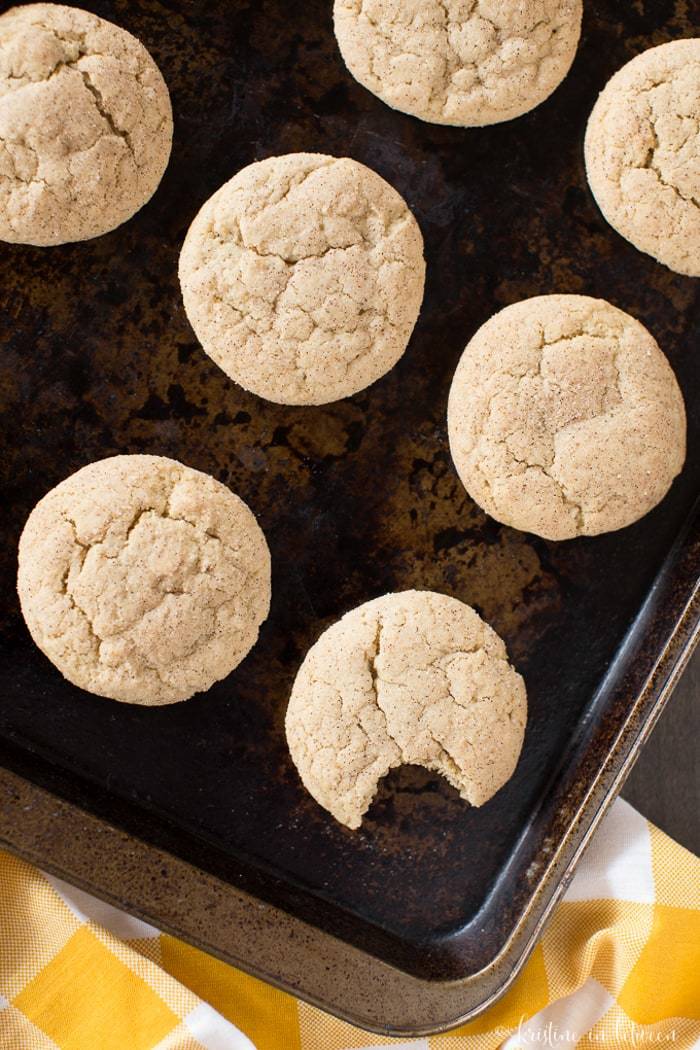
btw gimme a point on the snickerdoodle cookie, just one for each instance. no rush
(85, 125)
(303, 277)
(565, 418)
(415, 677)
(643, 153)
(143, 580)
(463, 62)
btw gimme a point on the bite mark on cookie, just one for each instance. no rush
(410, 678)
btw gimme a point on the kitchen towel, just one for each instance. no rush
(617, 967)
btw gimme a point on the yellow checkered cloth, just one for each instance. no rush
(618, 967)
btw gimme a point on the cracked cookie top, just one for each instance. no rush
(303, 277)
(85, 125)
(143, 580)
(410, 678)
(565, 418)
(643, 154)
(462, 62)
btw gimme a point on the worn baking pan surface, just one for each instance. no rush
(357, 498)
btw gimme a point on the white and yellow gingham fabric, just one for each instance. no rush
(618, 967)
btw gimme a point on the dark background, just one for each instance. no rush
(665, 782)
(356, 498)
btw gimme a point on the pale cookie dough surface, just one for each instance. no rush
(565, 418)
(415, 677)
(143, 580)
(643, 154)
(303, 277)
(462, 62)
(85, 125)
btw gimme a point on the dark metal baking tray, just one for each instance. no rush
(193, 815)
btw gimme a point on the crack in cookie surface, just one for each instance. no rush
(565, 418)
(303, 277)
(142, 579)
(643, 153)
(69, 179)
(464, 62)
(411, 678)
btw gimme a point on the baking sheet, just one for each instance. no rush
(356, 498)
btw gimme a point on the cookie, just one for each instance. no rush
(415, 677)
(303, 277)
(642, 154)
(462, 62)
(565, 418)
(143, 580)
(85, 125)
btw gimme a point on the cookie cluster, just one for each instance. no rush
(146, 581)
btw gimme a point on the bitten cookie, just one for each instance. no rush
(143, 580)
(415, 677)
(303, 277)
(463, 62)
(643, 154)
(85, 125)
(565, 418)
